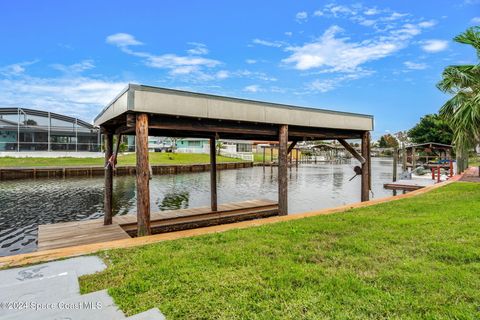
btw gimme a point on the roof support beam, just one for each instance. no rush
(213, 174)
(108, 197)
(350, 149)
(366, 168)
(282, 170)
(143, 176)
(291, 146)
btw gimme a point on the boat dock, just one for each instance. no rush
(409, 185)
(68, 234)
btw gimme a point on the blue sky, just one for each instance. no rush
(376, 57)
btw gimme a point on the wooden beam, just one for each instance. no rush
(291, 146)
(350, 149)
(213, 174)
(143, 176)
(117, 148)
(395, 164)
(414, 158)
(186, 126)
(212, 126)
(108, 192)
(365, 187)
(296, 158)
(282, 170)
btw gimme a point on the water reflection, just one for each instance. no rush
(26, 204)
(174, 200)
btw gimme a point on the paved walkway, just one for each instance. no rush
(51, 291)
(471, 175)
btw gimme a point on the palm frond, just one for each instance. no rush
(472, 37)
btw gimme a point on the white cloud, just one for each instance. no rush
(371, 11)
(192, 64)
(433, 46)
(288, 33)
(252, 88)
(198, 48)
(77, 96)
(222, 74)
(318, 13)
(414, 65)
(276, 44)
(300, 16)
(123, 40)
(252, 75)
(338, 10)
(339, 54)
(427, 24)
(475, 20)
(325, 85)
(173, 61)
(251, 61)
(16, 69)
(76, 67)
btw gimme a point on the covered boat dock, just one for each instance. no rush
(143, 110)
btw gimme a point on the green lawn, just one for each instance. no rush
(474, 161)
(417, 258)
(129, 159)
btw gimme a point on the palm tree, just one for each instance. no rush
(462, 111)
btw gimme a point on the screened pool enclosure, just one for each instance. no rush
(34, 130)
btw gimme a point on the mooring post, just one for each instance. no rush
(271, 155)
(213, 175)
(296, 157)
(143, 176)
(414, 159)
(395, 160)
(108, 192)
(282, 170)
(365, 188)
(263, 156)
(404, 158)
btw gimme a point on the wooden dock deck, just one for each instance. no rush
(409, 185)
(67, 234)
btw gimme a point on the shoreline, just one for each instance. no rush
(19, 173)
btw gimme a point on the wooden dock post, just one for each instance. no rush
(414, 159)
(213, 174)
(282, 170)
(143, 176)
(263, 156)
(108, 192)
(271, 155)
(404, 158)
(395, 161)
(365, 189)
(296, 157)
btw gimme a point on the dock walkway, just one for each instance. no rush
(409, 185)
(67, 234)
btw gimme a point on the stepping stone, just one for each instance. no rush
(152, 314)
(49, 289)
(93, 306)
(80, 265)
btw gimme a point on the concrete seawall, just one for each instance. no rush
(14, 173)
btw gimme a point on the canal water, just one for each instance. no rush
(24, 204)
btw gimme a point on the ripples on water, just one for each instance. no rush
(25, 204)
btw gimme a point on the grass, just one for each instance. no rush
(127, 159)
(474, 161)
(416, 258)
